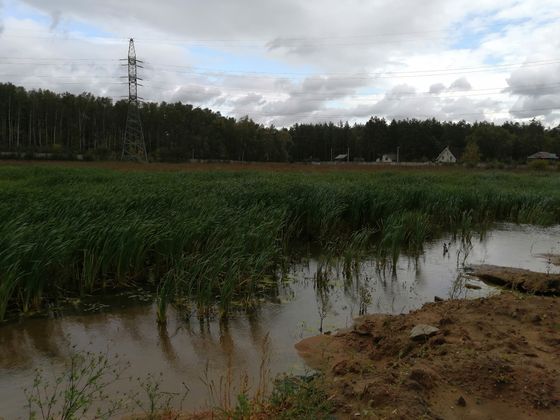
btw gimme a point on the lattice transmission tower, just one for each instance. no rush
(134, 146)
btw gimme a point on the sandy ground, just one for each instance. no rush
(519, 279)
(491, 358)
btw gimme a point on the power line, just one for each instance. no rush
(406, 36)
(313, 96)
(208, 72)
(52, 61)
(410, 116)
(310, 97)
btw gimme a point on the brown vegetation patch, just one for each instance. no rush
(233, 166)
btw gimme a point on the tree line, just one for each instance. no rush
(67, 124)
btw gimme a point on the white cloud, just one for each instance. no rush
(301, 61)
(461, 84)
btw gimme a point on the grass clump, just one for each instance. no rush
(220, 237)
(293, 397)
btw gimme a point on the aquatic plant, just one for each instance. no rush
(221, 237)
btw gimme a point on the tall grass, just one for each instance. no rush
(220, 236)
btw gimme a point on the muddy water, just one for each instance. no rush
(191, 352)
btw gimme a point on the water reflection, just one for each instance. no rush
(322, 295)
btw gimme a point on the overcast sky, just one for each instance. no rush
(288, 61)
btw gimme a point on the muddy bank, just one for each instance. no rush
(495, 357)
(553, 259)
(519, 279)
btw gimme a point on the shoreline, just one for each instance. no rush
(494, 357)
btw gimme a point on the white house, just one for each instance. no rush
(341, 158)
(543, 156)
(388, 158)
(446, 156)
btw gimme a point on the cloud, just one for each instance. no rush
(250, 99)
(534, 81)
(195, 94)
(292, 61)
(461, 84)
(437, 88)
(1, 17)
(538, 92)
(55, 19)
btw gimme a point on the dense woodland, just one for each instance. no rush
(66, 124)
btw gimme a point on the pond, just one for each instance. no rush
(319, 297)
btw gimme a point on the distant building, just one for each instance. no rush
(543, 156)
(341, 158)
(446, 156)
(389, 158)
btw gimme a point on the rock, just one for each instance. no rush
(438, 299)
(461, 402)
(423, 332)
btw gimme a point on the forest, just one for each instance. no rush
(33, 121)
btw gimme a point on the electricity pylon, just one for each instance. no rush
(134, 146)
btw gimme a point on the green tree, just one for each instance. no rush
(471, 155)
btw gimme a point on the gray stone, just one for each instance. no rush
(422, 332)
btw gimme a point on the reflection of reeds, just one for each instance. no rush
(220, 237)
(232, 388)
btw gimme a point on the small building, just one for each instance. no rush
(543, 156)
(446, 156)
(341, 158)
(389, 158)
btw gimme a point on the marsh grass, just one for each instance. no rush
(220, 237)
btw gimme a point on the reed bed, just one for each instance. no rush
(219, 237)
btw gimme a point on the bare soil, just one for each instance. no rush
(491, 358)
(554, 259)
(519, 279)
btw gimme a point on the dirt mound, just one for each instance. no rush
(496, 358)
(519, 279)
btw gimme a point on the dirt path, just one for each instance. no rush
(492, 358)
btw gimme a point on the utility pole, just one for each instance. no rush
(398, 153)
(134, 146)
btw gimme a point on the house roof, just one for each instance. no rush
(543, 155)
(443, 151)
(340, 157)
(391, 156)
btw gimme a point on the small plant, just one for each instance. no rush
(300, 397)
(156, 403)
(73, 394)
